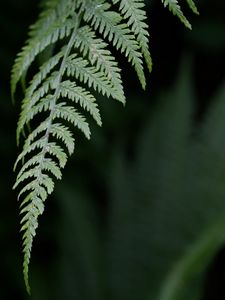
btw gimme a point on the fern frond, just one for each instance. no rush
(175, 8)
(80, 34)
(192, 6)
(132, 10)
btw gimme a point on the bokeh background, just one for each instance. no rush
(140, 212)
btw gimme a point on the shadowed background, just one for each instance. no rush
(140, 211)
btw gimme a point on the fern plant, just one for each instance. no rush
(78, 35)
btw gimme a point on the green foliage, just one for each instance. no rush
(175, 8)
(77, 36)
(84, 59)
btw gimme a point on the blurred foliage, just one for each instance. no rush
(140, 211)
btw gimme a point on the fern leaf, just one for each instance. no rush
(45, 69)
(33, 161)
(133, 11)
(30, 226)
(26, 175)
(57, 151)
(51, 166)
(36, 132)
(63, 133)
(174, 7)
(69, 114)
(36, 145)
(79, 95)
(192, 6)
(97, 53)
(78, 67)
(109, 25)
(29, 187)
(81, 64)
(35, 46)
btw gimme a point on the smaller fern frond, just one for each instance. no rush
(175, 8)
(193, 6)
(132, 10)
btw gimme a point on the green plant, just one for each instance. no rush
(74, 38)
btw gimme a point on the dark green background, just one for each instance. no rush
(69, 259)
